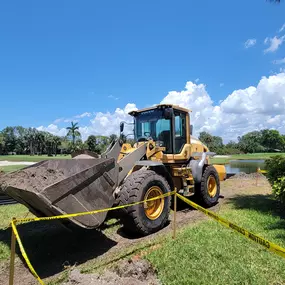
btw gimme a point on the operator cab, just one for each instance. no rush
(164, 124)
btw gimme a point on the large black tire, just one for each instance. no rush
(134, 189)
(203, 191)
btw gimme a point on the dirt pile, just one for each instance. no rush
(1, 178)
(2, 173)
(243, 175)
(139, 272)
(32, 179)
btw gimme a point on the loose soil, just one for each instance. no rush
(243, 175)
(51, 248)
(128, 272)
(33, 179)
(2, 173)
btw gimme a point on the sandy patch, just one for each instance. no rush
(221, 156)
(8, 163)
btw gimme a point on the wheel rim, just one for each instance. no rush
(212, 186)
(154, 208)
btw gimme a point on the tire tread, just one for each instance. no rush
(130, 193)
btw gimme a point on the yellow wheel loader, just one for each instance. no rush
(165, 156)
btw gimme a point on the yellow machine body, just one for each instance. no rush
(177, 163)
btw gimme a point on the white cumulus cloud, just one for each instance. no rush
(113, 97)
(244, 110)
(58, 120)
(85, 114)
(53, 129)
(241, 111)
(108, 123)
(279, 61)
(282, 28)
(274, 43)
(249, 43)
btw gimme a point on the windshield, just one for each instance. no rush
(151, 125)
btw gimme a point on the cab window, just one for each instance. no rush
(180, 131)
(152, 124)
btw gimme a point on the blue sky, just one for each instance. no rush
(60, 59)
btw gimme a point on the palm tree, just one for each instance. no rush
(56, 144)
(30, 137)
(40, 142)
(48, 143)
(73, 132)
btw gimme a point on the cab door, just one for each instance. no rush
(181, 140)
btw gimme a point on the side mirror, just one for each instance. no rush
(122, 127)
(168, 113)
(191, 130)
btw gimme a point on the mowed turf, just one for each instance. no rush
(219, 160)
(205, 252)
(11, 168)
(35, 158)
(7, 212)
(209, 253)
(250, 156)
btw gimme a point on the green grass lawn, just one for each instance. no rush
(8, 212)
(219, 160)
(208, 253)
(202, 253)
(223, 160)
(11, 168)
(34, 158)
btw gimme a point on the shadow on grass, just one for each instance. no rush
(50, 246)
(265, 204)
(262, 203)
(125, 233)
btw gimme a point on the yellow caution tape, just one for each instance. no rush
(261, 170)
(91, 212)
(24, 254)
(267, 244)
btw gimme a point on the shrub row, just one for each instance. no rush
(275, 167)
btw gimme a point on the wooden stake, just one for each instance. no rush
(12, 258)
(257, 171)
(174, 215)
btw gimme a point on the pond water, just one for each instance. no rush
(247, 166)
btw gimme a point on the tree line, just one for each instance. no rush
(20, 140)
(253, 142)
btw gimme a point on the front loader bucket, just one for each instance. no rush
(56, 187)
